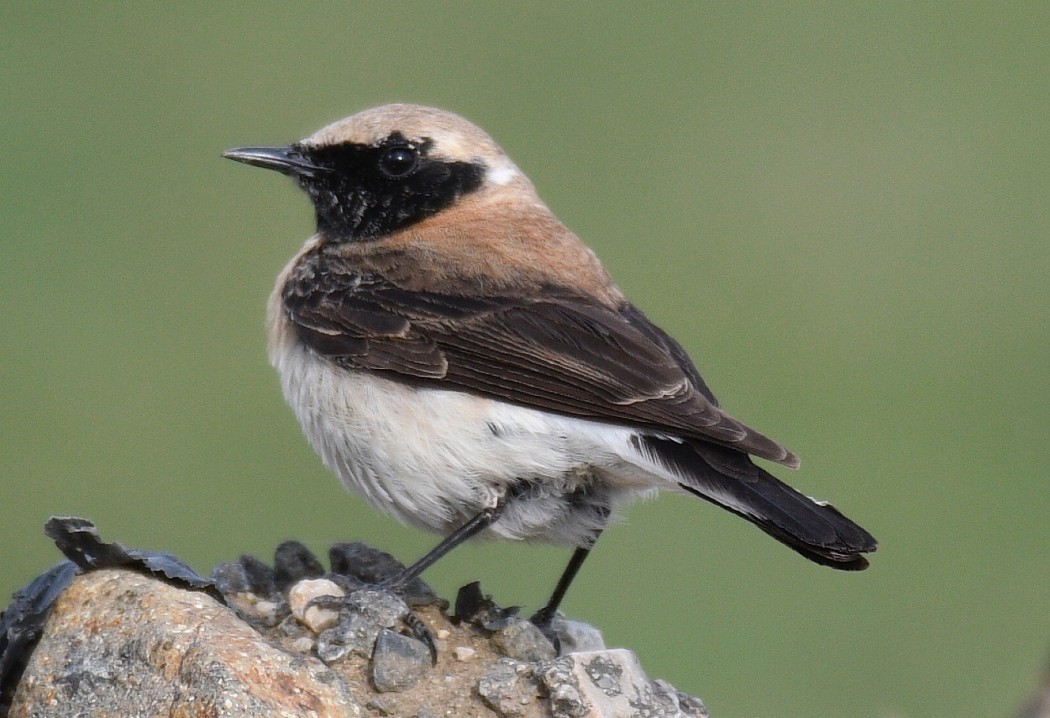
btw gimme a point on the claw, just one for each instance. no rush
(544, 620)
(421, 632)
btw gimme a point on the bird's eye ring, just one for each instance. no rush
(397, 162)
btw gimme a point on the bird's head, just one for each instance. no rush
(387, 168)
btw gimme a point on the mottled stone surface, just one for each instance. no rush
(120, 644)
(398, 661)
(510, 689)
(612, 683)
(522, 640)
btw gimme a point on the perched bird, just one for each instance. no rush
(464, 362)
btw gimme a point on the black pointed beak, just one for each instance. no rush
(286, 160)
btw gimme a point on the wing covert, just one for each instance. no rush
(555, 351)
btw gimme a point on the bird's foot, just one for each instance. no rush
(347, 607)
(546, 620)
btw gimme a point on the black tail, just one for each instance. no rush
(729, 479)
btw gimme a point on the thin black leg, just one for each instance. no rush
(476, 525)
(545, 615)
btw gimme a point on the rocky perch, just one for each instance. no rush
(131, 633)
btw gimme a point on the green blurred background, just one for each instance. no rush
(840, 209)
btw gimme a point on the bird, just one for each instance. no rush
(464, 362)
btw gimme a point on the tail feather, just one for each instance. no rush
(729, 479)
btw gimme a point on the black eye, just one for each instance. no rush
(398, 161)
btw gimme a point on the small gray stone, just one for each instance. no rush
(230, 577)
(398, 661)
(364, 614)
(335, 644)
(508, 688)
(576, 636)
(381, 607)
(292, 628)
(382, 705)
(521, 639)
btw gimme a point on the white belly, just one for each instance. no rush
(434, 458)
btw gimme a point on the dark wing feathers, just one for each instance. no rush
(639, 321)
(729, 479)
(557, 352)
(587, 360)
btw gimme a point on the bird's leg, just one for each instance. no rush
(400, 583)
(543, 617)
(485, 518)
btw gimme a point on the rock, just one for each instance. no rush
(365, 614)
(383, 705)
(464, 653)
(398, 661)
(315, 618)
(367, 566)
(576, 636)
(473, 606)
(522, 640)
(294, 563)
(509, 688)
(122, 643)
(612, 683)
(119, 643)
(566, 697)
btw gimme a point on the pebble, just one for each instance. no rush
(317, 619)
(366, 613)
(521, 639)
(398, 661)
(576, 637)
(464, 653)
(267, 611)
(303, 645)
